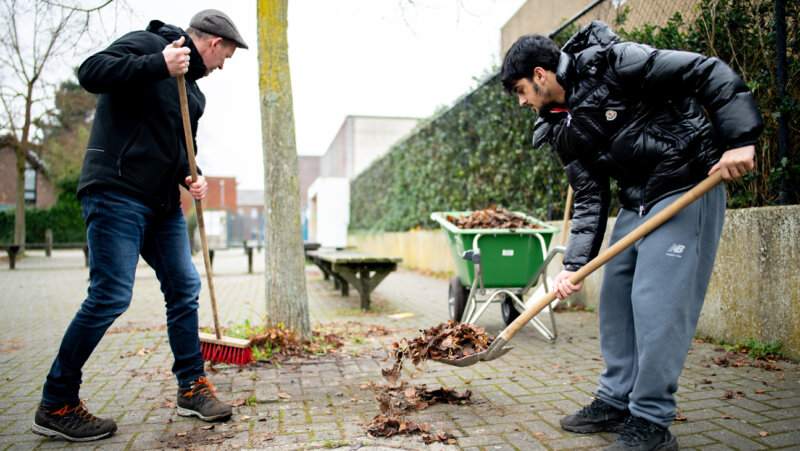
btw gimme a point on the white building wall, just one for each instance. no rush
(372, 138)
(329, 211)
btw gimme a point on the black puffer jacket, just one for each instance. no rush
(654, 120)
(137, 142)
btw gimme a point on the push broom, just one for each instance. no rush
(215, 347)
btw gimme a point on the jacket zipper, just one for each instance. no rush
(641, 210)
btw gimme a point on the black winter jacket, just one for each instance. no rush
(137, 142)
(656, 121)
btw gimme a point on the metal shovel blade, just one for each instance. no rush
(495, 350)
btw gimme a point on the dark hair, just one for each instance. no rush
(526, 54)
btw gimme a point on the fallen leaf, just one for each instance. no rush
(760, 391)
(763, 433)
(245, 418)
(726, 416)
(180, 434)
(208, 428)
(282, 395)
(679, 417)
(401, 315)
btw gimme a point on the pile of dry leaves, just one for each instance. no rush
(446, 340)
(492, 218)
(395, 401)
(386, 426)
(404, 398)
(326, 338)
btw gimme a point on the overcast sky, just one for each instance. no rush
(347, 57)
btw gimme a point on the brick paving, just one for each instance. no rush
(519, 398)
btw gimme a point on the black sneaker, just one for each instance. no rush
(596, 417)
(73, 423)
(199, 400)
(639, 434)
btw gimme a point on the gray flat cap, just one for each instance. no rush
(216, 22)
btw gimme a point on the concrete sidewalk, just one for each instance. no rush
(519, 398)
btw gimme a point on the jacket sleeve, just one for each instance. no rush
(724, 95)
(592, 196)
(128, 62)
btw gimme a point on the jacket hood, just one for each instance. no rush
(197, 69)
(596, 33)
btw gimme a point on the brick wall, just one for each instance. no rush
(45, 191)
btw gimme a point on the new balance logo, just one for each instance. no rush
(676, 250)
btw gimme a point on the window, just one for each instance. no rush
(30, 185)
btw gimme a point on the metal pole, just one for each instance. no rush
(783, 119)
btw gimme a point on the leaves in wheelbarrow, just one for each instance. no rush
(492, 218)
(446, 340)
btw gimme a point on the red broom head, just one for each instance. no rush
(218, 353)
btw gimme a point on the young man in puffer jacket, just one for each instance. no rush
(658, 122)
(135, 161)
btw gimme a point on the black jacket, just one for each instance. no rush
(656, 121)
(137, 142)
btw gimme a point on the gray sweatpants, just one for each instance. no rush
(650, 302)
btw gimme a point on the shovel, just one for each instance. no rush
(498, 347)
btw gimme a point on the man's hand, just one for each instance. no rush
(199, 188)
(735, 162)
(563, 286)
(177, 57)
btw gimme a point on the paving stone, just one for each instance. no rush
(585, 441)
(734, 440)
(693, 440)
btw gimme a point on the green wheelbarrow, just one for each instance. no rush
(498, 265)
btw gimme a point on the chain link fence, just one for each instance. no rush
(627, 15)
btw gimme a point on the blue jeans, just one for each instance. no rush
(119, 228)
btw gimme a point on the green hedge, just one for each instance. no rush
(64, 218)
(479, 152)
(474, 155)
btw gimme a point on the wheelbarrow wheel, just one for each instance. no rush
(508, 309)
(458, 299)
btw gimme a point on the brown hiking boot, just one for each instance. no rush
(73, 423)
(199, 400)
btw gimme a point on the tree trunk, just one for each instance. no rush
(287, 302)
(19, 199)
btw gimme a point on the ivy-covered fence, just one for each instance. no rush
(476, 154)
(479, 152)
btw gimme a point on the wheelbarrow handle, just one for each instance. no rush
(648, 226)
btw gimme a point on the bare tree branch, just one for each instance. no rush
(35, 38)
(76, 9)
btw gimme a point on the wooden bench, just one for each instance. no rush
(363, 271)
(13, 250)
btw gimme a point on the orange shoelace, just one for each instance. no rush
(80, 409)
(204, 387)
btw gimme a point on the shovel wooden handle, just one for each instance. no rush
(187, 130)
(637, 233)
(564, 232)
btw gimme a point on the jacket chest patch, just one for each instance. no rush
(611, 115)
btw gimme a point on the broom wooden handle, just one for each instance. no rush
(648, 226)
(187, 130)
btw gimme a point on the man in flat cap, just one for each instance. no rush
(134, 162)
